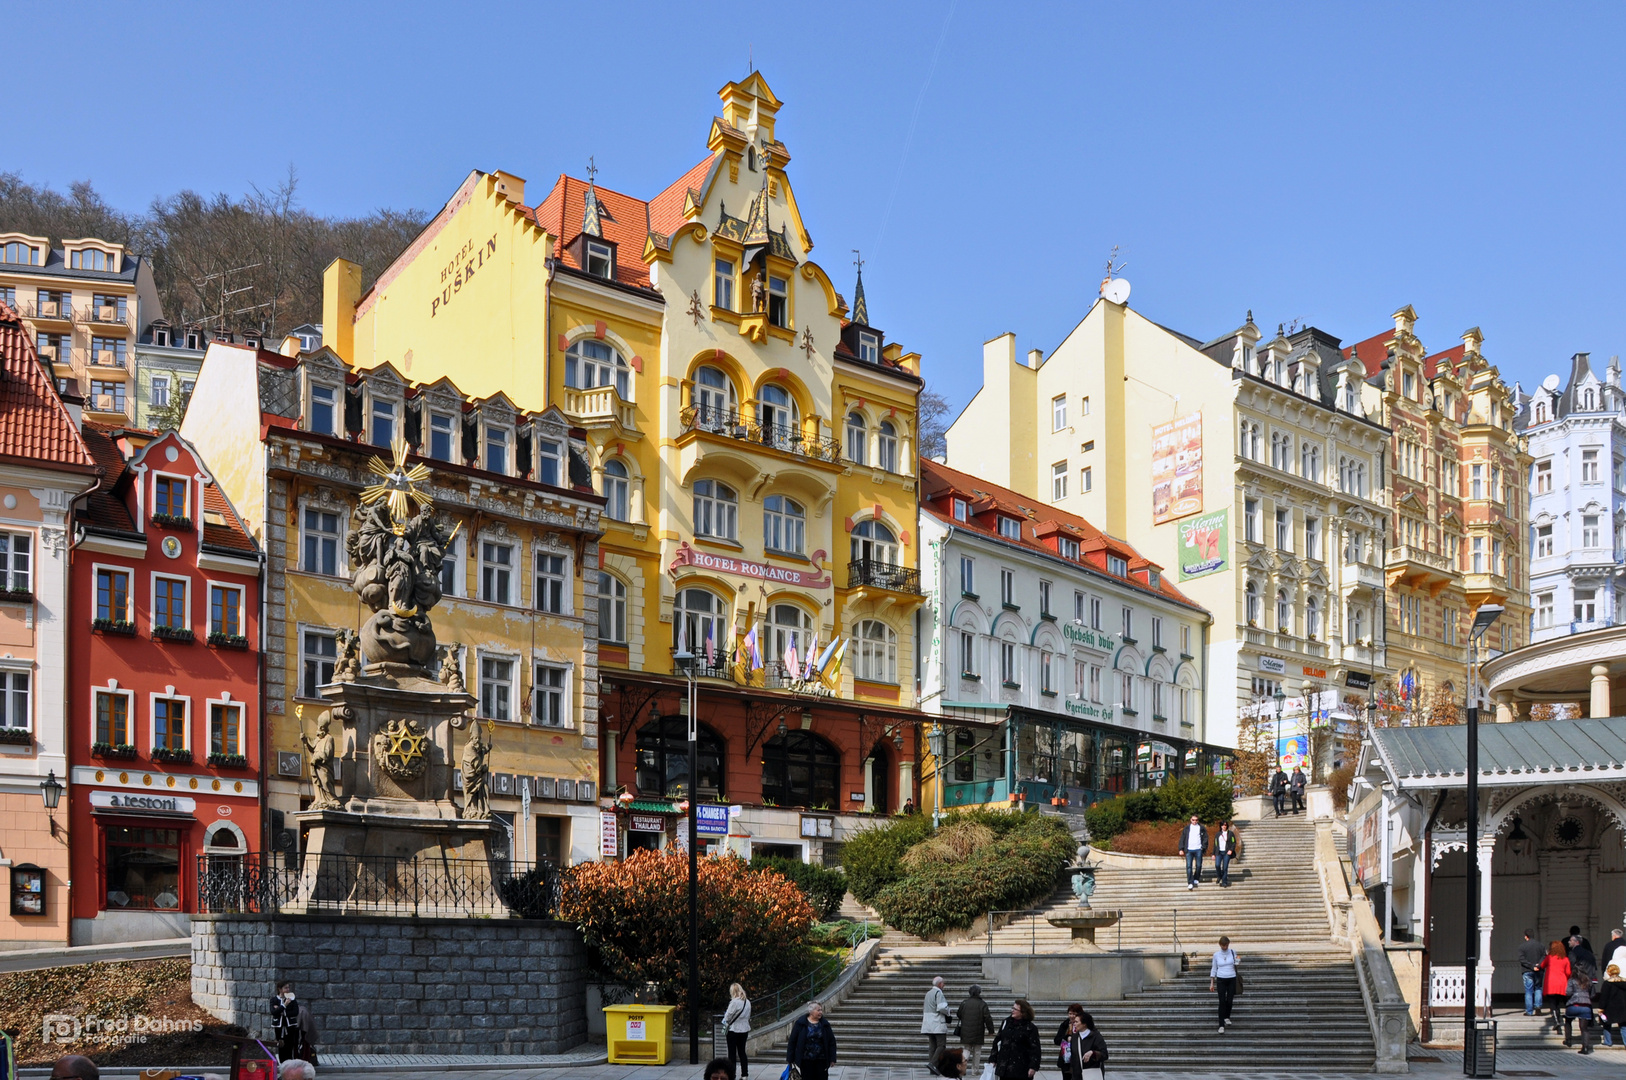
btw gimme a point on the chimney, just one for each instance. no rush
(76, 408)
(510, 187)
(341, 292)
(1035, 358)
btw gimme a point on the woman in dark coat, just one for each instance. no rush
(1085, 1048)
(1017, 1051)
(1063, 1030)
(812, 1046)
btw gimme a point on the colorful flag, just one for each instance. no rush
(812, 652)
(824, 657)
(683, 633)
(711, 646)
(832, 677)
(791, 666)
(752, 650)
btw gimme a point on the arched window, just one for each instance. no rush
(663, 759)
(886, 446)
(1284, 612)
(877, 652)
(1591, 401)
(714, 399)
(873, 542)
(777, 415)
(791, 626)
(1251, 596)
(1312, 618)
(590, 362)
(784, 524)
(1355, 624)
(615, 490)
(716, 510)
(857, 439)
(700, 617)
(801, 769)
(612, 608)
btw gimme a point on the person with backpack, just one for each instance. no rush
(812, 1046)
(1017, 1051)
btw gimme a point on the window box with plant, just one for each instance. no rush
(179, 755)
(172, 521)
(222, 640)
(227, 761)
(113, 626)
(1007, 684)
(165, 632)
(122, 751)
(16, 736)
(23, 595)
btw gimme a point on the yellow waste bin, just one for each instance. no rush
(639, 1034)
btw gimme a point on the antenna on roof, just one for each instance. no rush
(1115, 288)
(750, 57)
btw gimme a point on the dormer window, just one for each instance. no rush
(91, 259)
(778, 301)
(442, 428)
(1067, 547)
(1154, 580)
(160, 336)
(324, 408)
(15, 251)
(497, 439)
(599, 259)
(1408, 385)
(550, 462)
(1117, 565)
(1010, 528)
(869, 347)
(383, 425)
(194, 340)
(962, 510)
(169, 497)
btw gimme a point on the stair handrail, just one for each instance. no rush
(1357, 928)
(1033, 926)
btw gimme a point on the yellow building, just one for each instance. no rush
(514, 608)
(754, 442)
(85, 303)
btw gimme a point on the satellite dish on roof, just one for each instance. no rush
(1116, 290)
(1550, 384)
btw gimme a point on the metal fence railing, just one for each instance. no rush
(377, 885)
(1016, 915)
(775, 1005)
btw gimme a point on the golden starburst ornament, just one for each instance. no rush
(398, 483)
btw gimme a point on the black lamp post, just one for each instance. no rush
(51, 789)
(1483, 618)
(686, 662)
(1280, 697)
(937, 742)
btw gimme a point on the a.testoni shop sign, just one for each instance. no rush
(167, 804)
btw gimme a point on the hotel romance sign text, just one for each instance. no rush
(727, 564)
(1087, 637)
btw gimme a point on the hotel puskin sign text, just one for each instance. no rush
(727, 564)
(460, 271)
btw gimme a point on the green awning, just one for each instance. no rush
(652, 806)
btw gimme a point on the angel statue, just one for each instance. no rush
(321, 752)
(476, 776)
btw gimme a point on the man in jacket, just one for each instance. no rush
(285, 1021)
(1614, 952)
(975, 1023)
(1278, 789)
(1530, 954)
(1193, 845)
(935, 1016)
(812, 1046)
(1297, 784)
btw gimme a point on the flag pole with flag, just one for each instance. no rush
(832, 674)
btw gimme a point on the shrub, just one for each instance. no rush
(872, 859)
(823, 888)
(1016, 868)
(1209, 797)
(634, 917)
(953, 843)
(1339, 780)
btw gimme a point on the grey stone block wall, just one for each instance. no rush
(400, 986)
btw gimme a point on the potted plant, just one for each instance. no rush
(113, 626)
(16, 736)
(164, 632)
(122, 751)
(175, 754)
(221, 640)
(228, 761)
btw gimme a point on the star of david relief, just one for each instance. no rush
(401, 749)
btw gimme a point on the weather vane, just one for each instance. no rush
(398, 484)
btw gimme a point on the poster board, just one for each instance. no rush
(1177, 468)
(1204, 544)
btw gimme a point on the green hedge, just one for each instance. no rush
(824, 888)
(1018, 868)
(1209, 797)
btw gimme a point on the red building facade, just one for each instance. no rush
(164, 704)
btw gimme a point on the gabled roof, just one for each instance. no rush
(939, 483)
(230, 532)
(105, 509)
(1526, 751)
(666, 209)
(35, 427)
(626, 225)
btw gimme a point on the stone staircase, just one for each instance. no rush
(1274, 914)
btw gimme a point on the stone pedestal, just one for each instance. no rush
(1084, 922)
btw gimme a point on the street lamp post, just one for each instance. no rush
(686, 663)
(936, 740)
(1280, 698)
(1483, 618)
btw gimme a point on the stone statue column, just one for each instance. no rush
(1506, 710)
(1600, 691)
(1487, 920)
(869, 783)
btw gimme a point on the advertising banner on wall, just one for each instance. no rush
(1177, 468)
(1204, 545)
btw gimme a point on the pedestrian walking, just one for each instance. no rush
(1609, 1005)
(1575, 931)
(737, 1026)
(1529, 960)
(1581, 958)
(1223, 980)
(1297, 783)
(1194, 845)
(975, 1023)
(1084, 1057)
(1064, 1031)
(1225, 849)
(1016, 1053)
(1615, 951)
(285, 1011)
(812, 1046)
(950, 1063)
(1578, 1007)
(935, 1019)
(1278, 789)
(1555, 977)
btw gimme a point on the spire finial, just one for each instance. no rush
(592, 212)
(860, 306)
(592, 171)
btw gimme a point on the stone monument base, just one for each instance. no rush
(384, 863)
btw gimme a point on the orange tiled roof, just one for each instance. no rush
(105, 508)
(35, 427)
(626, 226)
(1375, 350)
(939, 484)
(233, 534)
(666, 209)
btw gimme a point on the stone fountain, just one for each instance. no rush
(1083, 920)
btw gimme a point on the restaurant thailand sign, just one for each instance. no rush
(727, 564)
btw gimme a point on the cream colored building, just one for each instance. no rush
(1247, 468)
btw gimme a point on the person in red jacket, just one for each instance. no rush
(1555, 979)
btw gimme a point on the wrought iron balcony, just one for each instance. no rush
(733, 424)
(883, 575)
(48, 310)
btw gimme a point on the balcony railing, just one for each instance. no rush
(883, 575)
(1406, 553)
(734, 424)
(600, 403)
(58, 310)
(103, 315)
(104, 358)
(1363, 575)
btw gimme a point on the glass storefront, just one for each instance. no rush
(143, 867)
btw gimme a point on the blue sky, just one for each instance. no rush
(1319, 162)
